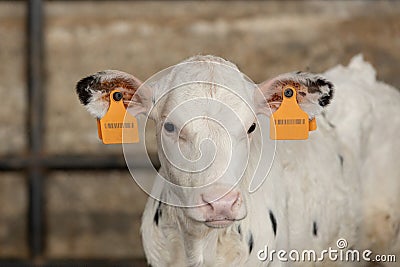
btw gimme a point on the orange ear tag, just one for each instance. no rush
(290, 122)
(117, 126)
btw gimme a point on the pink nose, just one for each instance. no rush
(224, 208)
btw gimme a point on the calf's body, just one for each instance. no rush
(341, 183)
(318, 191)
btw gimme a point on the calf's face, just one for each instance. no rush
(205, 113)
(204, 133)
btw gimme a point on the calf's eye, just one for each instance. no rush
(169, 127)
(252, 128)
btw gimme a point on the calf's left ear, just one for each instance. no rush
(313, 93)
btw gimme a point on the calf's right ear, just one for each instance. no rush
(94, 92)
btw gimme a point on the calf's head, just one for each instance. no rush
(205, 111)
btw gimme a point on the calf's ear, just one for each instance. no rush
(94, 92)
(313, 93)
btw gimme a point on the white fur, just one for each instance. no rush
(306, 184)
(96, 106)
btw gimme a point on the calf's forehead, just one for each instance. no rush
(202, 101)
(208, 89)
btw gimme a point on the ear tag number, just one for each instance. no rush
(290, 122)
(117, 126)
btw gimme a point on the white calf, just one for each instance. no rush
(343, 182)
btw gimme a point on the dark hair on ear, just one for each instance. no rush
(83, 88)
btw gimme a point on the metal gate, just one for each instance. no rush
(35, 164)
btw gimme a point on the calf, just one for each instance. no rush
(214, 154)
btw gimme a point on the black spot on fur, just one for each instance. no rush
(251, 243)
(326, 99)
(273, 221)
(315, 229)
(158, 213)
(302, 94)
(239, 229)
(329, 123)
(341, 160)
(313, 86)
(82, 89)
(322, 82)
(83, 86)
(298, 72)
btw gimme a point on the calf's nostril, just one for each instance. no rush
(238, 201)
(206, 204)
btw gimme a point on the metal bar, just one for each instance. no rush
(35, 122)
(12, 163)
(35, 213)
(72, 162)
(35, 76)
(85, 162)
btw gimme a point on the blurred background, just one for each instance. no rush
(68, 200)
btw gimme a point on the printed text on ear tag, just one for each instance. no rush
(290, 122)
(117, 126)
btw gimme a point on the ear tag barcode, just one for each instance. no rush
(117, 126)
(290, 122)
